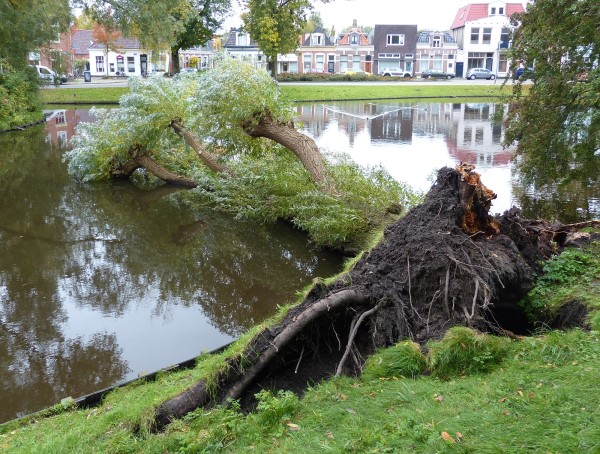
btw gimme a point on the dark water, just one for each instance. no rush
(101, 283)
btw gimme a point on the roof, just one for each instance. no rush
(81, 41)
(476, 11)
(363, 39)
(232, 41)
(317, 31)
(424, 37)
(121, 43)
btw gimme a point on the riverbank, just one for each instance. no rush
(307, 92)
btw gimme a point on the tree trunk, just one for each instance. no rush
(144, 161)
(175, 60)
(301, 145)
(206, 157)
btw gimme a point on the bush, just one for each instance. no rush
(465, 351)
(402, 360)
(19, 102)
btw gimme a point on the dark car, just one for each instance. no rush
(436, 74)
(524, 73)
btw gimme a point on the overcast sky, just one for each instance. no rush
(426, 14)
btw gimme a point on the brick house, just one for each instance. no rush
(354, 51)
(436, 50)
(316, 53)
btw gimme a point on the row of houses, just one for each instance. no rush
(478, 37)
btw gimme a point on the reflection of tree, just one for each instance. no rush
(571, 202)
(112, 248)
(41, 375)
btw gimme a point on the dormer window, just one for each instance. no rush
(317, 40)
(437, 41)
(242, 39)
(354, 39)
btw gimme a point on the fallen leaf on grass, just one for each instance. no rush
(329, 435)
(351, 411)
(293, 427)
(439, 398)
(459, 435)
(520, 393)
(343, 397)
(447, 437)
(502, 400)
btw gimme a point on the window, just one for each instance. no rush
(307, 61)
(395, 40)
(99, 63)
(504, 38)
(111, 67)
(120, 64)
(356, 62)
(487, 36)
(493, 13)
(343, 63)
(320, 61)
(501, 11)
(354, 39)
(317, 40)
(475, 36)
(437, 41)
(242, 39)
(130, 65)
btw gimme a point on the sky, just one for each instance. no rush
(426, 14)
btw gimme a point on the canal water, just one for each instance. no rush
(101, 283)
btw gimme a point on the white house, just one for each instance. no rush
(130, 59)
(482, 32)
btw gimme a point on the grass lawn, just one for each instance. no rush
(305, 92)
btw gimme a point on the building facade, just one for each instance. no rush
(394, 48)
(436, 50)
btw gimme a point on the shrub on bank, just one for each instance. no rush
(19, 101)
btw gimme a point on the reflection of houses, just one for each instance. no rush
(436, 50)
(317, 52)
(354, 51)
(477, 140)
(61, 124)
(394, 48)
(482, 31)
(395, 126)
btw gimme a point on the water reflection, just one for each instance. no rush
(413, 139)
(99, 283)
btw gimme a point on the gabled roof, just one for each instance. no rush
(317, 31)
(363, 39)
(476, 11)
(232, 41)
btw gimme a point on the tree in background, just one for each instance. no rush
(155, 23)
(106, 35)
(275, 26)
(28, 25)
(199, 27)
(557, 126)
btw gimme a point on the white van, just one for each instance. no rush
(49, 76)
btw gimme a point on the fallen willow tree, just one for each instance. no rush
(446, 263)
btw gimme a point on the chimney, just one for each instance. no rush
(354, 23)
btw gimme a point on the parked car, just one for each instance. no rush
(394, 73)
(50, 77)
(188, 70)
(524, 73)
(437, 74)
(480, 73)
(315, 71)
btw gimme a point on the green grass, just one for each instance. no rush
(541, 398)
(571, 276)
(305, 92)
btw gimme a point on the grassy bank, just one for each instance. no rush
(305, 92)
(482, 394)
